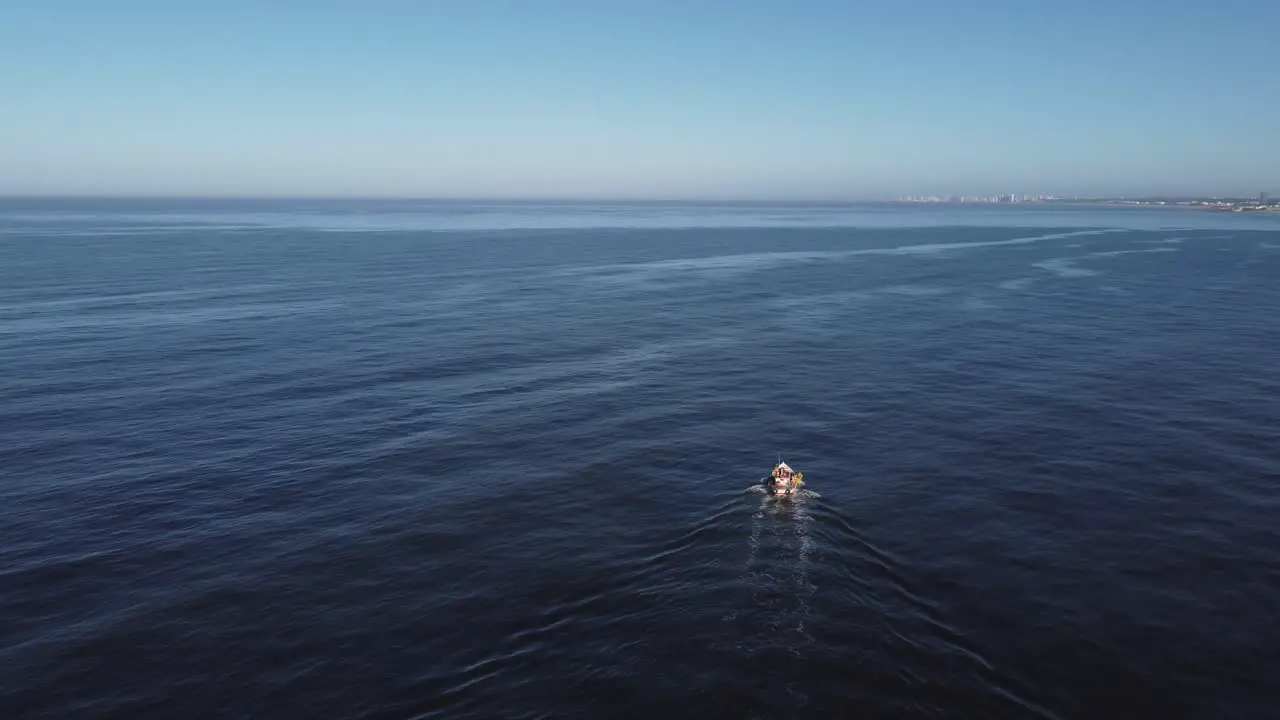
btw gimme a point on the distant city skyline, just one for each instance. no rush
(576, 99)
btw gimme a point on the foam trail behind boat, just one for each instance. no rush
(776, 576)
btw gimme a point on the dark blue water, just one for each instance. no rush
(392, 460)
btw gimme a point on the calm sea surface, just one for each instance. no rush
(440, 460)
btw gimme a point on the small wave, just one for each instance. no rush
(160, 318)
(139, 298)
(915, 290)
(642, 274)
(1063, 267)
(977, 304)
(1066, 266)
(142, 231)
(824, 307)
(1116, 253)
(937, 248)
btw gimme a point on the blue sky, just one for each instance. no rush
(651, 99)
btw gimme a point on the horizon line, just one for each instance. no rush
(897, 199)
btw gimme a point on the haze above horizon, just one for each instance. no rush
(564, 99)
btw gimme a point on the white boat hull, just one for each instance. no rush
(783, 480)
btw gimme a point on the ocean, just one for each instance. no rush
(405, 459)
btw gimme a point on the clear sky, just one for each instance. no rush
(811, 99)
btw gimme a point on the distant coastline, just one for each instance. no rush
(1249, 206)
(1261, 204)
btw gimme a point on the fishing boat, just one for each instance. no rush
(784, 480)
